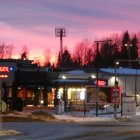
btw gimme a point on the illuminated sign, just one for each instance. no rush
(101, 82)
(3, 76)
(3, 70)
(6, 69)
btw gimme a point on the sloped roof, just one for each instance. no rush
(75, 72)
(126, 71)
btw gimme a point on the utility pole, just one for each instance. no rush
(1, 109)
(116, 84)
(116, 91)
(129, 45)
(60, 32)
(97, 73)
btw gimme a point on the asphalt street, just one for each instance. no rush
(73, 131)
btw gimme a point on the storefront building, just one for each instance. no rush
(78, 87)
(25, 84)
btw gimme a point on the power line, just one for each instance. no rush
(97, 72)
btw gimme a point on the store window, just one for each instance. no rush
(51, 96)
(73, 94)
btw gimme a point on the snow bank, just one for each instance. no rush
(8, 132)
(69, 118)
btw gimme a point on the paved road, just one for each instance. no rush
(74, 131)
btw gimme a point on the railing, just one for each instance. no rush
(37, 108)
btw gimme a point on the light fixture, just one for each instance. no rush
(63, 77)
(117, 63)
(93, 76)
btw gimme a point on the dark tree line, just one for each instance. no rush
(84, 55)
(123, 47)
(5, 51)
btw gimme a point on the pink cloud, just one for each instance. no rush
(32, 23)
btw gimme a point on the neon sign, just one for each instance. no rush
(101, 82)
(4, 69)
(3, 76)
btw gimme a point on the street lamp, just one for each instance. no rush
(136, 87)
(116, 84)
(0, 109)
(97, 72)
(128, 46)
(116, 90)
(64, 77)
(65, 92)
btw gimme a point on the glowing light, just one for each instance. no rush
(11, 68)
(83, 89)
(19, 88)
(93, 76)
(100, 82)
(73, 89)
(3, 76)
(117, 63)
(63, 77)
(29, 105)
(4, 69)
(60, 90)
(41, 101)
(112, 80)
(58, 95)
(82, 95)
(53, 59)
(78, 89)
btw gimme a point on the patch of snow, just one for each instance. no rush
(8, 132)
(70, 118)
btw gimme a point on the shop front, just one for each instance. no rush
(80, 94)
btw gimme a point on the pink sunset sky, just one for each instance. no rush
(33, 22)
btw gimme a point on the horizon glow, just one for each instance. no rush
(33, 22)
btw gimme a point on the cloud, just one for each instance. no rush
(32, 22)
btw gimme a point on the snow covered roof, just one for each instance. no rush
(70, 80)
(126, 71)
(75, 72)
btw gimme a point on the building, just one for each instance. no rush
(79, 86)
(25, 84)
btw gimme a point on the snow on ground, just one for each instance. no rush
(8, 132)
(76, 117)
(70, 118)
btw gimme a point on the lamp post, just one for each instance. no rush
(128, 46)
(116, 84)
(97, 72)
(65, 93)
(0, 109)
(136, 87)
(116, 90)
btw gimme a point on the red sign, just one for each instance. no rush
(100, 82)
(4, 69)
